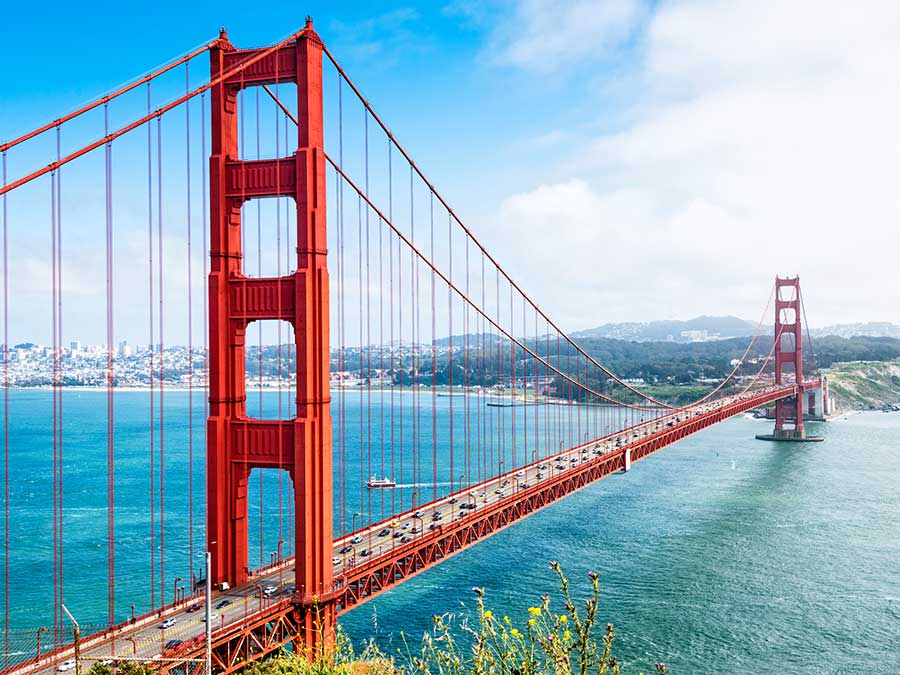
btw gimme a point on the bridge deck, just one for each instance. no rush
(248, 625)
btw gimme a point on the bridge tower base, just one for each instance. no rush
(789, 329)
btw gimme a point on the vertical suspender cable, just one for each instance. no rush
(190, 324)
(110, 400)
(162, 365)
(434, 480)
(205, 270)
(5, 429)
(151, 353)
(58, 356)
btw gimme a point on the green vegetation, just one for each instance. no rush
(865, 385)
(549, 641)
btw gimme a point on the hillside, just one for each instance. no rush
(662, 331)
(864, 385)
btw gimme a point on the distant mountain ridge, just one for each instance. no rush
(868, 329)
(693, 330)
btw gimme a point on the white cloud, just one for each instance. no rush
(545, 35)
(765, 142)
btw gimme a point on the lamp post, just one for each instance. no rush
(42, 629)
(76, 634)
(462, 477)
(260, 589)
(133, 642)
(355, 516)
(175, 590)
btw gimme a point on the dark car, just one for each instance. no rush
(366, 552)
(195, 607)
(434, 526)
(405, 538)
(347, 549)
(172, 644)
(385, 532)
(222, 604)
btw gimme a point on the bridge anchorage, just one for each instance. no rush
(789, 412)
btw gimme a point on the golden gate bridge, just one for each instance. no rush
(371, 265)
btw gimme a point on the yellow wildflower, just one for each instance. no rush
(488, 614)
(505, 619)
(566, 635)
(534, 611)
(563, 619)
(531, 622)
(515, 632)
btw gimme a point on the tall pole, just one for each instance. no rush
(208, 610)
(76, 635)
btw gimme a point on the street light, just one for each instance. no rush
(355, 516)
(76, 634)
(133, 642)
(40, 630)
(175, 590)
(462, 477)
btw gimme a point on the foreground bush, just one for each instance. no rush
(548, 643)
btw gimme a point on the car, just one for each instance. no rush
(498, 492)
(288, 591)
(523, 485)
(405, 538)
(195, 607)
(356, 540)
(540, 475)
(168, 623)
(66, 665)
(212, 617)
(385, 532)
(434, 526)
(560, 467)
(406, 525)
(223, 604)
(346, 549)
(172, 644)
(542, 467)
(520, 473)
(504, 483)
(419, 514)
(336, 560)
(452, 500)
(416, 530)
(366, 552)
(270, 590)
(398, 534)
(436, 515)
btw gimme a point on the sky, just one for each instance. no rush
(625, 161)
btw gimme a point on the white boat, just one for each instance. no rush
(376, 482)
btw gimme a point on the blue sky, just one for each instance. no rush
(627, 160)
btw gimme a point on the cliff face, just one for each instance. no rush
(864, 385)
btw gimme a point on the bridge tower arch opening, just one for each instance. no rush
(236, 441)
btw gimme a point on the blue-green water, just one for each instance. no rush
(721, 554)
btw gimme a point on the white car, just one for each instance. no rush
(520, 473)
(168, 623)
(212, 617)
(66, 665)
(336, 560)
(270, 590)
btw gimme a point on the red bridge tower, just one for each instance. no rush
(789, 351)
(237, 443)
